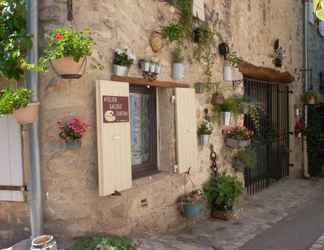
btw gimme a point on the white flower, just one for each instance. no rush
(119, 51)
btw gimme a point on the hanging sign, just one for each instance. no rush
(115, 109)
(199, 9)
(319, 9)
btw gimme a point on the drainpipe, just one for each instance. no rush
(35, 189)
(306, 86)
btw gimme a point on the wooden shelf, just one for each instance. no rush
(156, 83)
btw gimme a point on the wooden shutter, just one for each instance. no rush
(186, 128)
(114, 147)
(11, 164)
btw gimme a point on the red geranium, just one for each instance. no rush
(58, 36)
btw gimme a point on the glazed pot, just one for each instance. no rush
(27, 114)
(44, 242)
(233, 143)
(217, 99)
(204, 140)
(119, 70)
(67, 68)
(221, 215)
(226, 118)
(73, 144)
(228, 72)
(178, 70)
(192, 210)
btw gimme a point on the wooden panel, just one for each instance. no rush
(11, 164)
(199, 9)
(186, 127)
(114, 148)
(156, 83)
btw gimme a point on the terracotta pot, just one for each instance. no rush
(67, 68)
(28, 114)
(311, 100)
(221, 215)
(217, 99)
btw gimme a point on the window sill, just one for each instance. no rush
(154, 177)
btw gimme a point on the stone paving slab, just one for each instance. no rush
(256, 214)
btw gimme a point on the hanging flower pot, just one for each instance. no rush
(119, 70)
(204, 140)
(217, 99)
(237, 137)
(73, 144)
(178, 68)
(68, 68)
(205, 129)
(27, 114)
(311, 97)
(67, 53)
(228, 72)
(237, 143)
(226, 118)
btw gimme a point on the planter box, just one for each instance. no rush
(221, 215)
(233, 143)
(67, 68)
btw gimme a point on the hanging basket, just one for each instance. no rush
(217, 99)
(67, 68)
(28, 114)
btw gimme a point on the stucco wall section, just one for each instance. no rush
(72, 206)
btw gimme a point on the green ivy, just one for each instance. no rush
(14, 39)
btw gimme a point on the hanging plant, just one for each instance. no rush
(14, 39)
(245, 158)
(67, 52)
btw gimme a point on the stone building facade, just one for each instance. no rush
(72, 206)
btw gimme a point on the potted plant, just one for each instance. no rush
(245, 158)
(311, 97)
(191, 205)
(67, 52)
(123, 59)
(72, 132)
(229, 107)
(238, 137)
(178, 66)
(232, 60)
(222, 192)
(201, 34)
(204, 131)
(217, 98)
(18, 103)
(174, 32)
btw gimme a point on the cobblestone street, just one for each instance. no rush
(270, 212)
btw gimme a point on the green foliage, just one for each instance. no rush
(309, 94)
(231, 104)
(247, 156)
(14, 39)
(64, 42)
(223, 191)
(234, 59)
(177, 55)
(174, 32)
(12, 100)
(123, 57)
(205, 128)
(102, 242)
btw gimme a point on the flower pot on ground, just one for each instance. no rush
(191, 205)
(205, 129)
(123, 60)
(178, 69)
(72, 132)
(217, 99)
(222, 192)
(311, 97)
(17, 102)
(67, 53)
(237, 137)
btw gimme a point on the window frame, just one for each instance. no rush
(150, 167)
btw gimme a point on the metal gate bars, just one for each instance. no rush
(272, 135)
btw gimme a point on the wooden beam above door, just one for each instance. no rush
(156, 83)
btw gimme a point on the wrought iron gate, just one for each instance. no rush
(272, 143)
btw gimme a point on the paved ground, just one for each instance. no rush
(287, 216)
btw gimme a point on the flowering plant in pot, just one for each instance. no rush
(205, 129)
(245, 159)
(17, 102)
(231, 60)
(191, 205)
(178, 69)
(123, 59)
(229, 107)
(72, 132)
(222, 192)
(67, 52)
(311, 97)
(237, 137)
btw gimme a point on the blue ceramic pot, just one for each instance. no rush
(192, 210)
(73, 144)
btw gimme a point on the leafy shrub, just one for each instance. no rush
(177, 55)
(223, 191)
(205, 128)
(247, 156)
(123, 57)
(231, 104)
(21, 98)
(174, 32)
(12, 100)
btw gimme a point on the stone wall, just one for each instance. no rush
(72, 206)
